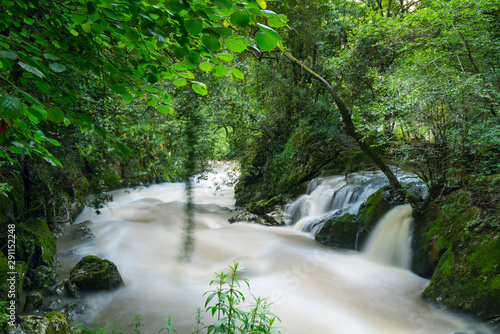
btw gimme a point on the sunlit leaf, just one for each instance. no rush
(58, 68)
(180, 82)
(199, 87)
(31, 69)
(225, 56)
(237, 73)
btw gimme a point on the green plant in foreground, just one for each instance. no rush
(228, 301)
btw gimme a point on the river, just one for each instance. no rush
(315, 290)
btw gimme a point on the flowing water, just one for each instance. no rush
(315, 290)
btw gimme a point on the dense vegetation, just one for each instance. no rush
(99, 94)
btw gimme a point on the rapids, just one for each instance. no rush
(315, 290)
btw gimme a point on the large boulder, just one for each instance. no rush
(339, 232)
(95, 274)
(461, 256)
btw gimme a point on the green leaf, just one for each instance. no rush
(87, 27)
(224, 4)
(193, 27)
(236, 43)
(127, 97)
(91, 7)
(240, 19)
(180, 82)
(206, 66)
(79, 18)
(224, 56)
(131, 36)
(262, 3)
(29, 21)
(221, 31)
(10, 106)
(219, 70)
(211, 42)
(270, 32)
(119, 89)
(165, 109)
(265, 42)
(50, 56)
(58, 68)
(55, 114)
(199, 87)
(124, 149)
(237, 73)
(54, 142)
(38, 112)
(31, 69)
(276, 22)
(8, 54)
(151, 78)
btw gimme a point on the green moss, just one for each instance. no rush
(466, 265)
(339, 232)
(375, 207)
(93, 273)
(35, 243)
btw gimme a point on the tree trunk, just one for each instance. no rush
(350, 129)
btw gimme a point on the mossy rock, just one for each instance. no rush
(339, 232)
(463, 260)
(20, 273)
(52, 323)
(35, 243)
(264, 206)
(375, 207)
(95, 274)
(42, 278)
(34, 300)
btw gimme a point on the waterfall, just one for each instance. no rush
(390, 241)
(336, 195)
(313, 289)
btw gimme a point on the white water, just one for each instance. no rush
(339, 195)
(315, 290)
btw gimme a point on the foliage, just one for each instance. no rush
(226, 302)
(425, 85)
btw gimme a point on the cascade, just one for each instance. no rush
(336, 195)
(390, 241)
(313, 289)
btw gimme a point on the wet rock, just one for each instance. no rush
(37, 245)
(462, 260)
(72, 289)
(339, 232)
(84, 232)
(276, 218)
(73, 310)
(375, 207)
(52, 323)
(85, 222)
(95, 274)
(244, 216)
(43, 277)
(34, 300)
